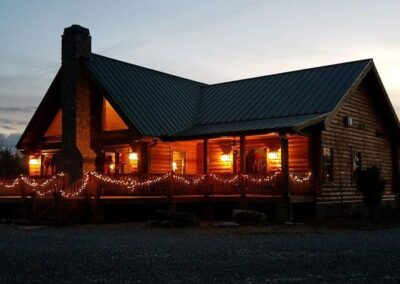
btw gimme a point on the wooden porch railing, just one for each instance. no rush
(153, 185)
(53, 193)
(210, 184)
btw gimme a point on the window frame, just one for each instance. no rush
(330, 171)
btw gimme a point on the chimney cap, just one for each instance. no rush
(76, 29)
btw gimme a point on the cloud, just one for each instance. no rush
(8, 127)
(27, 109)
(9, 140)
(11, 121)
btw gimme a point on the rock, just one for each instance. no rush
(249, 217)
(225, 225)
(176, 219)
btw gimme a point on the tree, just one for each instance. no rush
(11, 163)
(372, 186)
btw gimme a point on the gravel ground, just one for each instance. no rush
(136, 254)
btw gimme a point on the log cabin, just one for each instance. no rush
(304, 131)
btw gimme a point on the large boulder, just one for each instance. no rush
(225, 225)
(249, 217)
(176, 219)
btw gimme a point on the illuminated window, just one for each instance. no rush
(273, 160)
(34, 165)
(328, 164)
(179, 162)
(111, 120)
(109, 162)
(55, 128)
(256, 160)
(48, 165)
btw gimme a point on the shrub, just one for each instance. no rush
(372, 186)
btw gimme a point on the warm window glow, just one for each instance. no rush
(34, 165)
(225, 158)
(55, 128)
(112, 166)
(133, 156)
(111, 120)
(178, 162)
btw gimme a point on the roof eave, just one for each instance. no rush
(20, 144)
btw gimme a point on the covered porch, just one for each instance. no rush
(231, 168)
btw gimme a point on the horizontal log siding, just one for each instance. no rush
(298, 153)
(215, 150)
(375, 150)
(161, 156)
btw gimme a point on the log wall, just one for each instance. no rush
(161, 154)
(368, 135)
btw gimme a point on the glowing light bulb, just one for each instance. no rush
(273, 155)
(133, 156)
(225, 158)
(33, 162)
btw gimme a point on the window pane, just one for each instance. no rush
(178, 162)
(328, 164)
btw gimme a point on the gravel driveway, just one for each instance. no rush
(135, 254)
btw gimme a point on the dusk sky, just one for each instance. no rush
(208, 41)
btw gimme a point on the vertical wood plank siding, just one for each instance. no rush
(361, 137)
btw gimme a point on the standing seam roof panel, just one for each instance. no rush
(159, 104)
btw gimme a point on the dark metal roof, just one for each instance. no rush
(159, 104)
(154, 102)
(309, 91)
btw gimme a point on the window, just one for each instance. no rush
(55, 128)
(328, 164)
(356, 164)
(179, 162)
(111, 120)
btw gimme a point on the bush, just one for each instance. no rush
(372, 186)
(11, 163)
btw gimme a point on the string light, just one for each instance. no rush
(79, 189)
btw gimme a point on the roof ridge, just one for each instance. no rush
(287, 72)
(150, 69)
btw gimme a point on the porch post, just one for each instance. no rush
(285, 174)
(315, 158)
(242, 154)
(205, 156)
(143, 162)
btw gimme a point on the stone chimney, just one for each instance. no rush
(76, 155)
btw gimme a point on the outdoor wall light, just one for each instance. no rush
(225, 158)
(273, 155)
(34, 162)
(133, 156)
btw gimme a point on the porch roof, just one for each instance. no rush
(253, 126)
